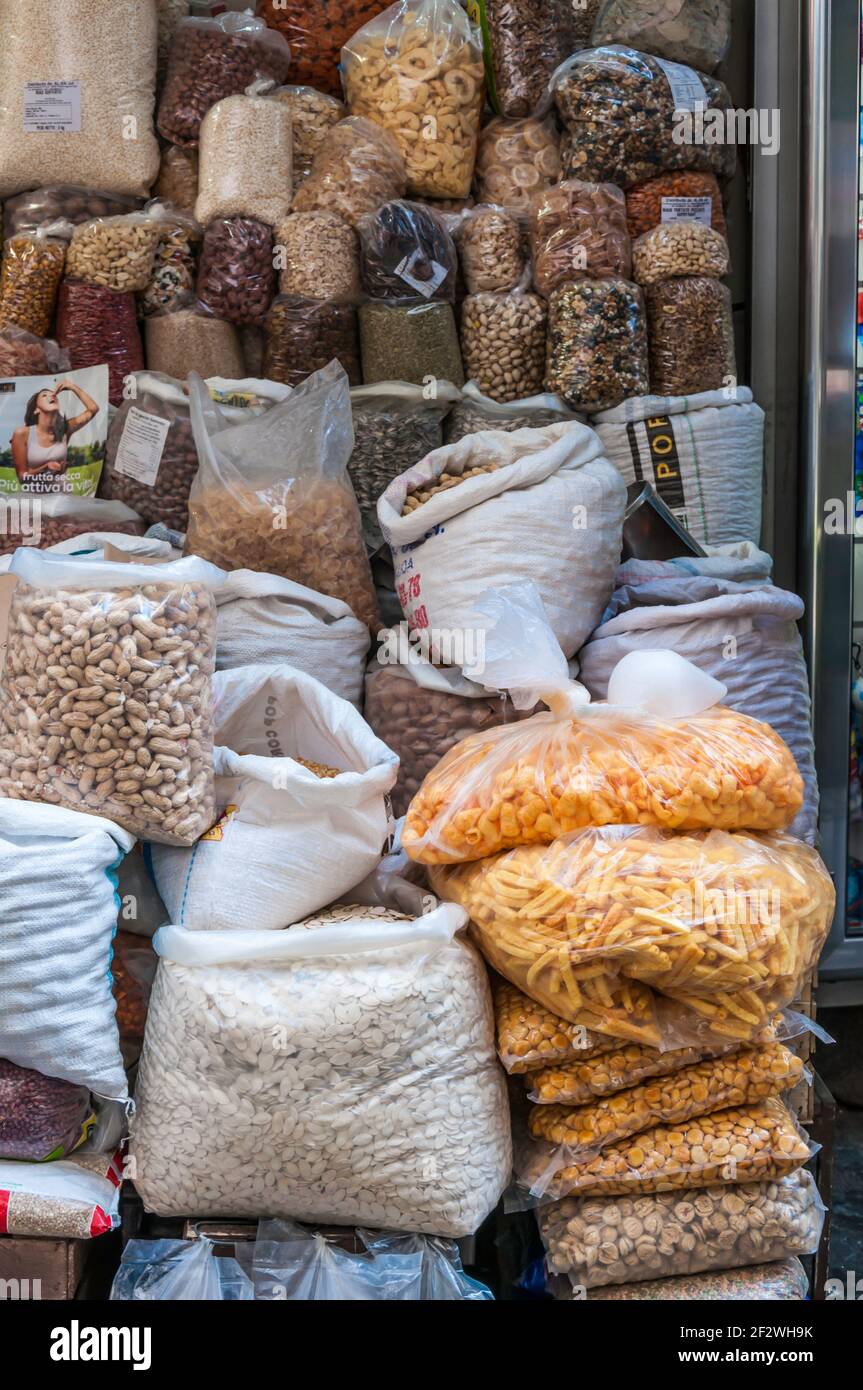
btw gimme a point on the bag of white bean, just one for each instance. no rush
(540, 505)
(343, 1071)
(102, 60)
(58, 877)
(105, 698)
(300, 788)
(264, 619)
(703, 453)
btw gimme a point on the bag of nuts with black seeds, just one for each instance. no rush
(475, 412)
(395, 425)
(151, 459)
(622, 112)
(273, 494)
(616, 1240)
(105, 699)
(597, 343)
(695, 32)
(59, 516)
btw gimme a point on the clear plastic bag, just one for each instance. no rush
(320, 257)
(490, 250)
(475, 412)
(516, 160)
(753, 1143)
(245, 160)
(116, 252)
(741, 1078)
(407, 254)
(726, 925)
(211, 59)
(313, 114)
(670, 198)
(526, 40)
(304, 335)
(597, 344)
(691, 336)
(316, 31)
(409, 342)
(30, 278)
(62, 203)
(273, 494)
(357, 167)
(694, 32)
(172, 280)
(191, 341)
(62, 515)
(503, 343)
(677, 249)
(98, 325)
(294, 1263)
(177, 183)
(621, 113)
(616, 1240)
(782, 1281)
(158, 707)
(25, 354)
(418, 72)
(153, 1271)
(394, 427)
(41, 1118)
(236, 277)
(531, 1039)
(74, 1198)
(443, 1277)
(578, 230)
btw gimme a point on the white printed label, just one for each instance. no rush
(404, 270)
(687, 88)
(52, 107)
(688, 210)
(139, 452)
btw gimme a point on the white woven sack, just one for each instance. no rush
(264, 619)
(703, 454)
(287, 841)
(750, 642)
(551, 513)
(57, 920)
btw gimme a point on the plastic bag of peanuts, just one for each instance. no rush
(679, 248)
(30, 275)
(615, 1240)
(747, 1075)
(503, 343)
(418, 71)
(515, 161)
(358, 167)
(116, 252)
(578, 229)
(702, 766)
(490, 250)
(761, 1142)
(273, 494)
(122, 657)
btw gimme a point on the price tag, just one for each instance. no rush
(52, 108)
(142, 442)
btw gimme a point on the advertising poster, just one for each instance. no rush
(53, 431)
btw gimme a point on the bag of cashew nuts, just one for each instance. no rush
(516, 160)
(301, 783)
(358, 167)
(151, 459)
(625, 116)
(58, 874)
(578, 229)
(395, 425)
(273, 494)
(616, 1240)
(475, 412)
(695, 32)
(585, 898)
(417, 70)
(116, 252)
(661, 752)
(343, 1071)
(122, 656)
(264, 619)
(498, 508)
(59, 516)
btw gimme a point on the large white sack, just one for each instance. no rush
(264, 619)
(287, 842)
(703, 454)
(748, 639)
(551, 513)
(58, 913)
(343, 1071)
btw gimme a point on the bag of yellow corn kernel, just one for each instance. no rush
(748, 1075)
(417, 70)
(661, 752)
(751, 1143)
(530, 1037)
(725, 926)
